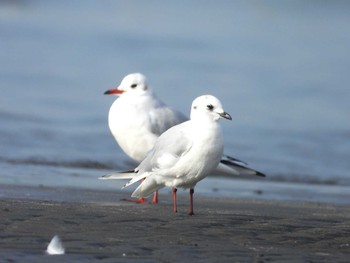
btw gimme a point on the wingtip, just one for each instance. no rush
(235, 160)
(105, 177)
(260, 174)
(118, 175)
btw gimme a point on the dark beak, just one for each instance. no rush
(225, 115)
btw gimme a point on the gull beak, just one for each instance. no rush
(225, 115)
(113, 91)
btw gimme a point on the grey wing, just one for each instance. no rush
(169, 147)
(162, 118)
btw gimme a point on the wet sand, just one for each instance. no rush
(98, 226)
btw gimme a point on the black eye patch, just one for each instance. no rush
(210, 107)
(133, 86)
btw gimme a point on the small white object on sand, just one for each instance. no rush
(55, 247)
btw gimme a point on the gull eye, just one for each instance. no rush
(210, 107)
(133, 86)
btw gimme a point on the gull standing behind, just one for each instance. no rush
(184, 154)
(137, 118)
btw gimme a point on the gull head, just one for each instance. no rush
(208, 107)
(135, 83)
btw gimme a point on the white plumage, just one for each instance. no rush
(137, 118)
(185, 153)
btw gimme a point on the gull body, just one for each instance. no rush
(185, 153)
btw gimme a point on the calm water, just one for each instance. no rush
(280, 69)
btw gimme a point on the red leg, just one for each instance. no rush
(174, 199)
(155, 198)
(191, 202)
(138, 201)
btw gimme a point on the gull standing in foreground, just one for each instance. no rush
(184, 154)
(137, 118)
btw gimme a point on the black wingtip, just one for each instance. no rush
(229, 163)
(235, 159)
(128, 171)
(260, 174)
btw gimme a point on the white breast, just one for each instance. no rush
(129, 125)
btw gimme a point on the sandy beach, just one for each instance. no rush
(98, 226)
(280, 68)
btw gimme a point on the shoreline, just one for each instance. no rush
(97, 226)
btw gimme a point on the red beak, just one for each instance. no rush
(114, 91)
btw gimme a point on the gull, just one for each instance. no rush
(184, 154)
(137, 118)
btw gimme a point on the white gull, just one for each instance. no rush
(184, 154)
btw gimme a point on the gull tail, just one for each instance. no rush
(136, 178)
(119, 175)
(231, 166)
(146, 188)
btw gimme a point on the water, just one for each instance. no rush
(279, 68)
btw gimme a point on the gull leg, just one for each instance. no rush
(174, 199)
(155, 198)
(191, 202)
(138, 201)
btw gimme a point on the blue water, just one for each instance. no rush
(280, 69)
